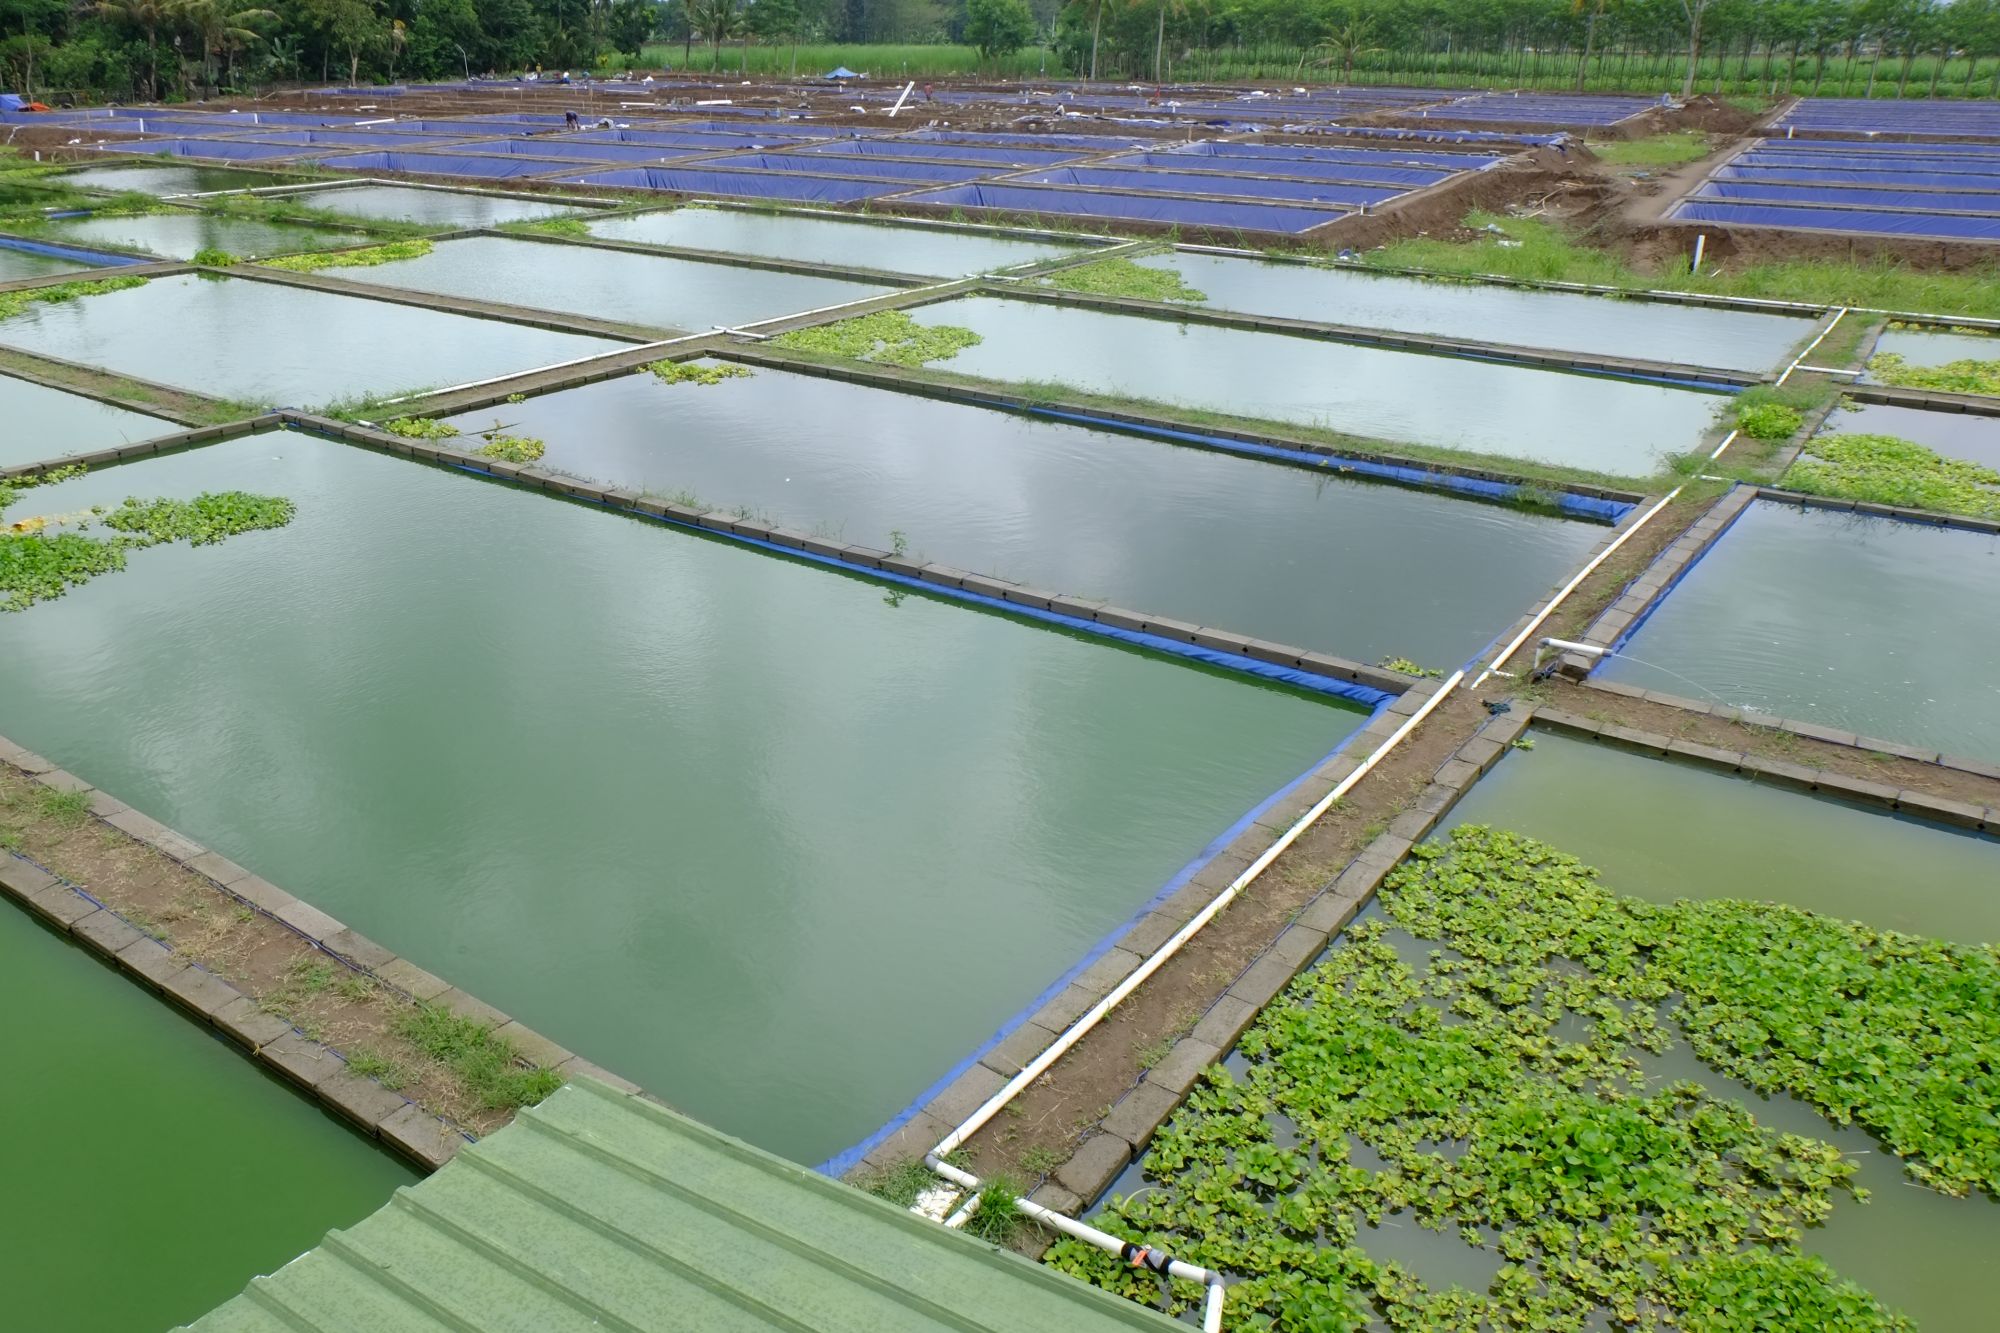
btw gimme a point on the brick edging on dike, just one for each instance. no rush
(41, 376)
(1125, 1130)
(1644, 593)
(316, 1070)
(151, 267)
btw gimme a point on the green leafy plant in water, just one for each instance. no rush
(390, 253)
(1500, 1095)
(887, 336)
(210, 257)
(1123, 277)
(1409, 668)
(512, 448)
(420, 428)
(13, 303)
(39, 566)
(1966, 376)
(1768, 421)
(695, 372)
(574, 227)
(1883, 469)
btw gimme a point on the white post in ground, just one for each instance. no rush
(1700, 244)
(902, 99)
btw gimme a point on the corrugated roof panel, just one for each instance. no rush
(596, 1210)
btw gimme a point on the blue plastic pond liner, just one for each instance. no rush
(95, 258)
(346, 139)
(231, 150)
(1842, 219)
(846, 1160)
(1094, 143)
(1386, 157)
(1841, 176)
(1406, 178)
(446, 164)
(1883, 148)
(1133, 206)
(694, 140)
(738, 184)
(1575, 506)
(988, 155)
(1241, 187)
(1666, 590)
(1941, 201)
(876, 168)
(1960, 166)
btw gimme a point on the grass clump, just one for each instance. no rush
(900, 1184)
(512, 448)
(389, 253)
(487, 1065)
(570, 227)
(889, 337)
(1123, 277)
(39, 566)
(1768, 420)
(1884, 469)
(210, 257)
(1660, 150)
(1966, 376)
(996, 1221)
(420, 428)
(14, 303)
(696, 372)
(1610, 1200)
(67, 808)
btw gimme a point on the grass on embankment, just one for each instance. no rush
(1546, 253)
(1661, 150)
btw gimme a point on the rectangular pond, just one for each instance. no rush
(167, 180)
(166, 1169)
(1867, 624)
(652, 291)
(48, 423)
(1232, 543)
(1966, 435)
(1631, 816)
(17, 264)
(181, 235)
(436, 208)
(215, 336)
(774, 842)
(1612, 426)
(1926, 347)
(1521, 317)
(888, 247)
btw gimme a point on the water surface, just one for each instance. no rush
(168, 180)
(1605, 425)
(1265, 549)
(778, 844)
(1653, 331)
(1867, 624)
(438, 208)
(182, 235)
(1953, 434)
(655, 292)
(48, 423)
(877, 245)
(153, 1169)
(18, 264)
(1921, 347)
(214, 336)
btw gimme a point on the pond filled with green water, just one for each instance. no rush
(48, 423)
(1633, 817)
(1867, 624)
(216, 336)
(1601, 424)
(152, 1168)
(658, 293)
(779, 844)
(1923, 347)
(168, 180)
(180, 235)
(1521, 317)
(441, 208)
(1266, 549)
(18, 264)
(930, 251)
(1954, 434)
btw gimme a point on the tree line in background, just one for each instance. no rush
(178, 49)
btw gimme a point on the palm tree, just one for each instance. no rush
(715, 20)
(220, 32)
(1347, 43)
(146, 17)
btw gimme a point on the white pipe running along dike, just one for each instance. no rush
(1838, 315)
(1139, 1255)
(1563, 593)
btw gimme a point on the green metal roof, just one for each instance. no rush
(596, 1211)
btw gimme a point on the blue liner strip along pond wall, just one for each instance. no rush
(1227, 168)
(738, 184)
(842, 1162)
(1133, 206)
(1385, 157)
(447, 164)
(1842, 219)
(1180, 182)
(95, 258)
(1939, 201)
(878, 168)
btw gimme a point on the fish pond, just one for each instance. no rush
(181, 235)
(168, 180)
(1613, 426)
(885, 247)
(1852, 621)
(654, 292)
(45, 423)
(1233, 543)
(212, 335)
(433, 208)
(1966, 435)
(778, 843)
(1490, 312)
(17, 264)
(166, 1170)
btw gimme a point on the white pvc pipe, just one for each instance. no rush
(1727, 440)
(1582, 574)
(1700, 244)
(1837, 316)
(902, 99)
(1571, 646)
